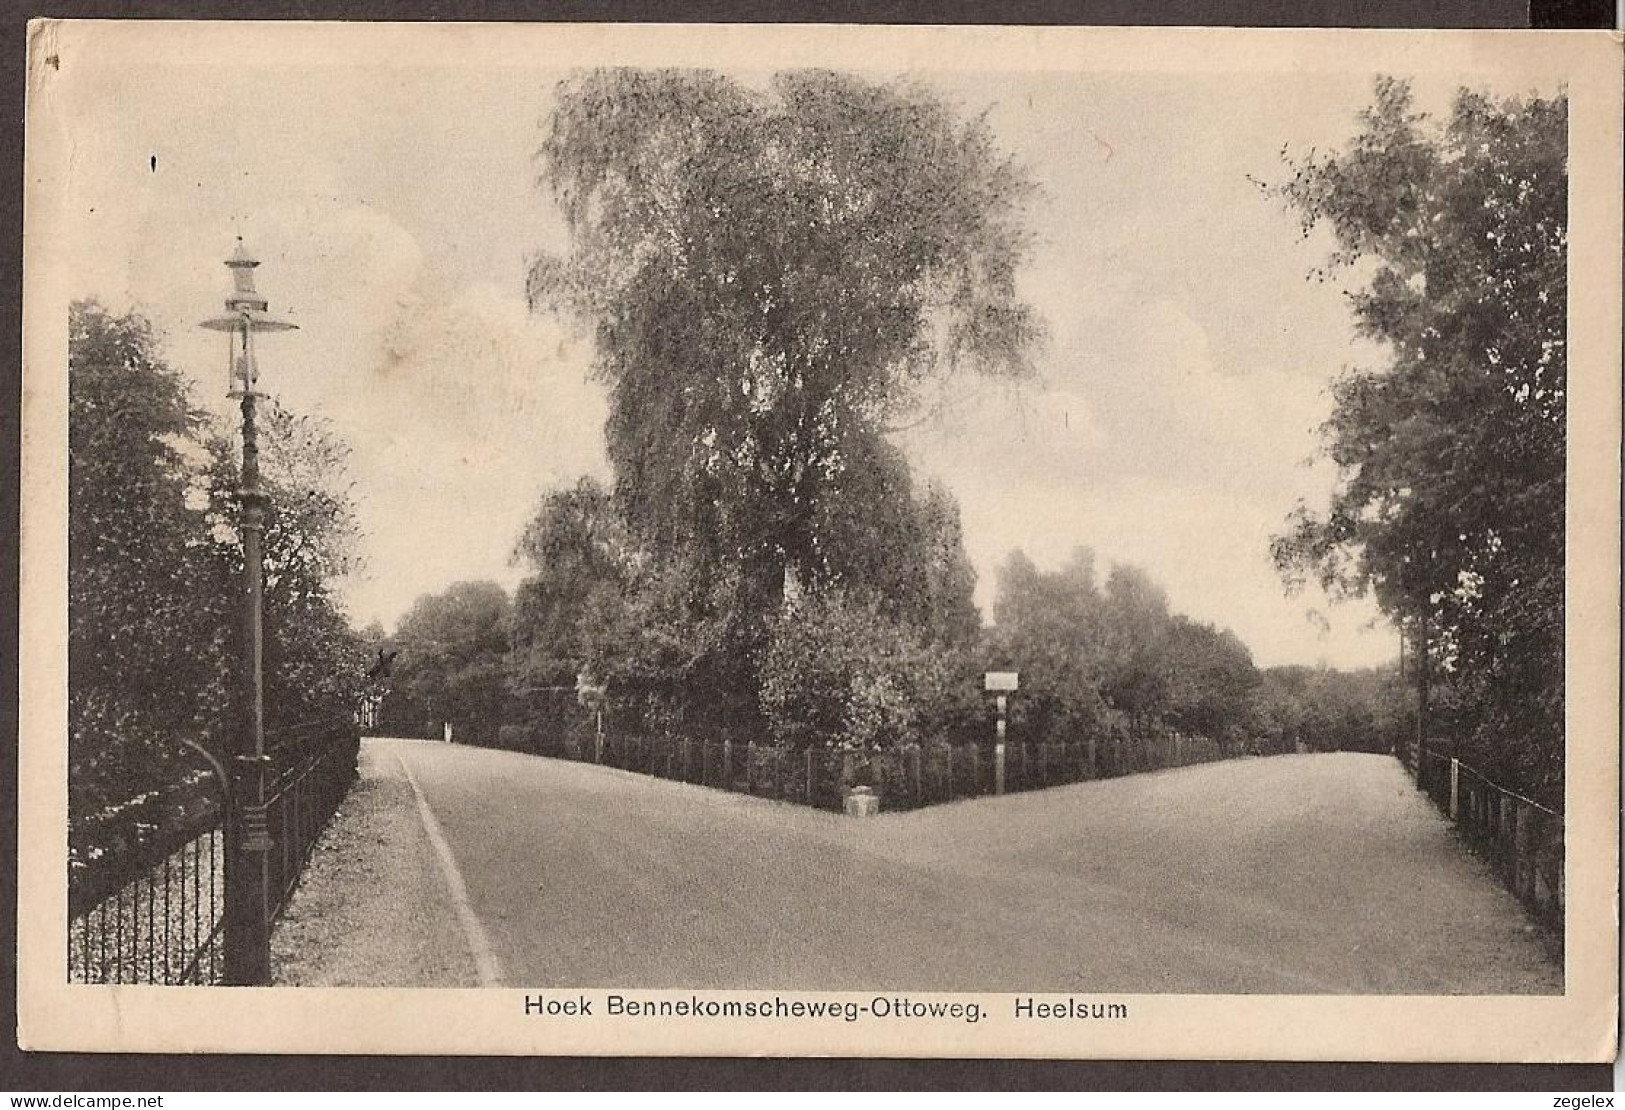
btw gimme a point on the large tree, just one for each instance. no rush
(314, 660)
(580, 559)
(1136, 625)
(154, 570)
(1450, 508)
(771, 275)
(1211, 682)
(150, 619)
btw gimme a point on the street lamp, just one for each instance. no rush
(248, 832)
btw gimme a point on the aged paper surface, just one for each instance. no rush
(76, 72)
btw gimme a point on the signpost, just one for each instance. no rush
(1002, 683)
(590, 693)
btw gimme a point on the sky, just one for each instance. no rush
(1172, 423)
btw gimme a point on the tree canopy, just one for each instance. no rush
(770, 275)
(581, 561)
(312, 540)
(453, 662)
(1094, 658)
(1327, 710)
(1450, 508)
(154, 586)
(150, 625)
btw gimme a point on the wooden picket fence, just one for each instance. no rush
(1521, 839)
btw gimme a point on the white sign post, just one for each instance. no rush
(1001, 683)
(590, 693)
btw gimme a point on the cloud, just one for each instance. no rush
(458, 404)
(1209, 550)
(475, 408)
(1144, 450)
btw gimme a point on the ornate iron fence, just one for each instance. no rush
(314, 766)
(145, 897)
(146, 890)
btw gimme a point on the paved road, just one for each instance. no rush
(1293, 874)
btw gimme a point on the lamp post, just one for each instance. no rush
(248, 832)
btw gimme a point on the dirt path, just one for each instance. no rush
(1295, 874)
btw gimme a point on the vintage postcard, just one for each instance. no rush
(820, 540)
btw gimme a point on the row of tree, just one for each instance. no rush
(836, 670)
(1098, 655)
(154, 570)
(774, 276)
(676, 640)
(1452, 453)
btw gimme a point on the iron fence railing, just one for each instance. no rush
(905, 777)
(145, 898)
(314, 766)
(1521, 839)
(146, 888)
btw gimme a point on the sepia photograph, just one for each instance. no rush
(820, 540)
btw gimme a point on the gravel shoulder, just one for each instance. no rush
(372, 909)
